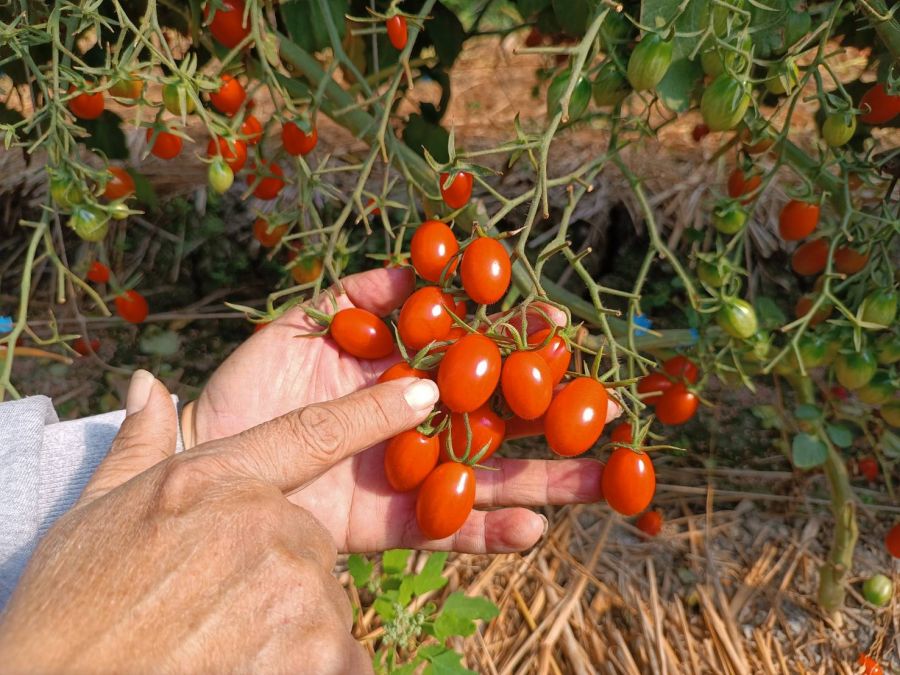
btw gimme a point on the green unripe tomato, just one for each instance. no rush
(610, 86)
(220, 175)
(878, 590)
(879, 390)
(782, 78)
(855, 370)
(118, 211)
(887, 349)
(65, 192)
(737, 318)
(578, 101)
(717, 60)
(89, 223)
(711, 275)
(724, 103)
(729, 217)
(839, 128)
(880, 307)
(172, 94)
(891, 413)
(649, 62)
(719, 15)
(813, 351)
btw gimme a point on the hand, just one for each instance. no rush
(275, 371)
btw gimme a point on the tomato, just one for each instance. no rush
(432, 247)
(227, 25)
(740, 185)
(120, 184)
(86, 106)
(628, 481)
(879, 107)
(729, 218)
(653, 384)
(887, 349)
(623, 433)
(98, 272)
(220, 176)
(855, 369)
(165, 145)
(83, 348)
(458, 307)
(849, 261)
(681, 368)
(699, 132)
(714, 61)
(457, 194)
(756, 143)
(798, 220)
(710, 274)
(89, 223)
(401, 370)
(397, 31)
(610, 86)
(868, 467)
(296, 141)
(878, 590)
(578, 101)
(880, 307)
(870, 665)
(307, 269)
(119, 211)
(234, 152)
(127, 90)
(361, 334)
(268, 186)
(527, 384)
(177, 100)
(737, 318)
(132, 306)
(267, 236)
(445, 500)
(556, 353)
(251, 129)
(782, 77)
(469, 373)
(576, 416)
(65, 192)
(408, 459)
(229, 97)
(424, 318)
(810, 257)
(878, 391)
(724, 103)
(804, 306)
(649, 62)
(892, 541)
(488, 430)
(838, 128)
(485, 270)
(677, 405)
(650, 523)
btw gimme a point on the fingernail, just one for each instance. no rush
(138, 392)
(546, 525)
(421, 395)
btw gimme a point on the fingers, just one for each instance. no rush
(536, 482)
(380, 291)
(146, 437)
(503, 531)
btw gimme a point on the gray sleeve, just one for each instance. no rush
(44, 466)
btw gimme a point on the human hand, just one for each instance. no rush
(275, 371)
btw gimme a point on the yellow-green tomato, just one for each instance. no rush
(724, 103)
(855, 370)
(839, 128)
(737, 318)
(782, 78)
(89, 223)
(220, 175)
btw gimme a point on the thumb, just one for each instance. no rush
(146, 437)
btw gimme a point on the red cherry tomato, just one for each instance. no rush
(810, 257)
(576, 416)
(487, 427)
(251, 129)
(98, 272)
(296, 141)
(868, 467)
(267, 236)
(699, 132)
(401, 370)
(234, 158)
(230, 96)
(132, 306)
(516, 427)
(653, 384)
(650, 523)
(485, 270)
(804, 305)
(623, 433)
(798, 220)
(166, 145)
(892, 541)
(408, 459)
(119, 185)
(445, 500)
(628, 481)
(83, 348)
(86, 106)
(431, 248)
(556, 353)
(457, 194)
(423, 318)
(878, 106)
(739, 184)
(269, 185)
(681, 368)
(869, 665)
(527, 384)
(677, 405)
(227, 25)
(469, 373)
(361, 334)
(849, 261)
(397, 32)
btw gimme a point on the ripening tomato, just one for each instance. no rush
(681, 368)
(729, 217)
(234, 153)
(433, 246)
(267, 236)
(628, 481)
(677, 405)
(227, 25)
(878, 106)
(892, 541)
(132, 306)
(408, 459)
(805, 304)
(576, 416)
(810, 257)
(887, 349)
(654, 385)
(424, 318)
(445, 500)
(868, 468)
(177, 100)
(849, 261)
(869, 665)
(610, 85)
(556, 353)
(220, 176)
(361, 334)
(527, 384)
(86, 106)
(165, 145)
(457, 194)
(854, 370)
(488, 430)
(469, 373)
(739, 184)
(84, 348)
(229, 97)
(650, 523)
(798, 220)
(296, 141)
(401, 370)
(880, 307)
(485, 270)
(127, 90)
(737, 318)
(120, 183)
(307, 270)
(397, 31)
(268, 186)
(622, 433)
(98, 272)
(251, 129)
(839, 128)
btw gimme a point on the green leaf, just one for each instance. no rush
(769, 313)
(529, 8)
(406, 591)
(840, 434)
(360, 569)
(105, 135)
(384, 605)
(394, 562)
(808, 451)
(768, 23)
(459, 613)
(805, 411)
(144, 191)
(660, 12)
(430, 579)
(443, 661)
(306, 25)
(678, 86)
(446, 33)
(420, 133)
(159, 342)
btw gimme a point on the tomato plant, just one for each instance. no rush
(361, 334)
(892, 541)
(220, 175)
(677, 405)
(739, 184)
(268, 178)
(234, 152)
(85, 105)
(878, 106)
(164, 144)
(737, 318)
(555, 352)
(127, 89)
(177, 100)
(267, 235)
(729, 218)
(401, 370)
(724, 103)
(89, 223)
(408, 459)
(251, 129)
(649, 62)
(445, 500)
(810, 257)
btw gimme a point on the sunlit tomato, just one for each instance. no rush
(849, 261)
(798, 220)
(227, 25)
(681, 368)
(892, 541)
(628, 481)
(361, 334)
(401, 370)
(527, 384)
(220, 176)
(650, 523)
(84, 348)
(810, 257)
(424, 318)
(653, 385)
(457, 194)
(267, 236)
(869, 665)
(432, 247)
(677, 405)
(576, 416)
(878, 106)
(127, 90)
(98, 272)
(89, 223)
(120, 184)
(177, 100)
(296, 141)
(445, 500)
(86, 106)
(868, 468)
(855, 369)
(469, 373)
(739, 184)
(251, 129)
(307, 269)
(485, 270)
(408, 459)
(270, 179)
(622, 433)
(132, 306)
(234, 153)
(556, 353)
(397, 31)
(488, 430)
(229, 97)
(165, 145)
